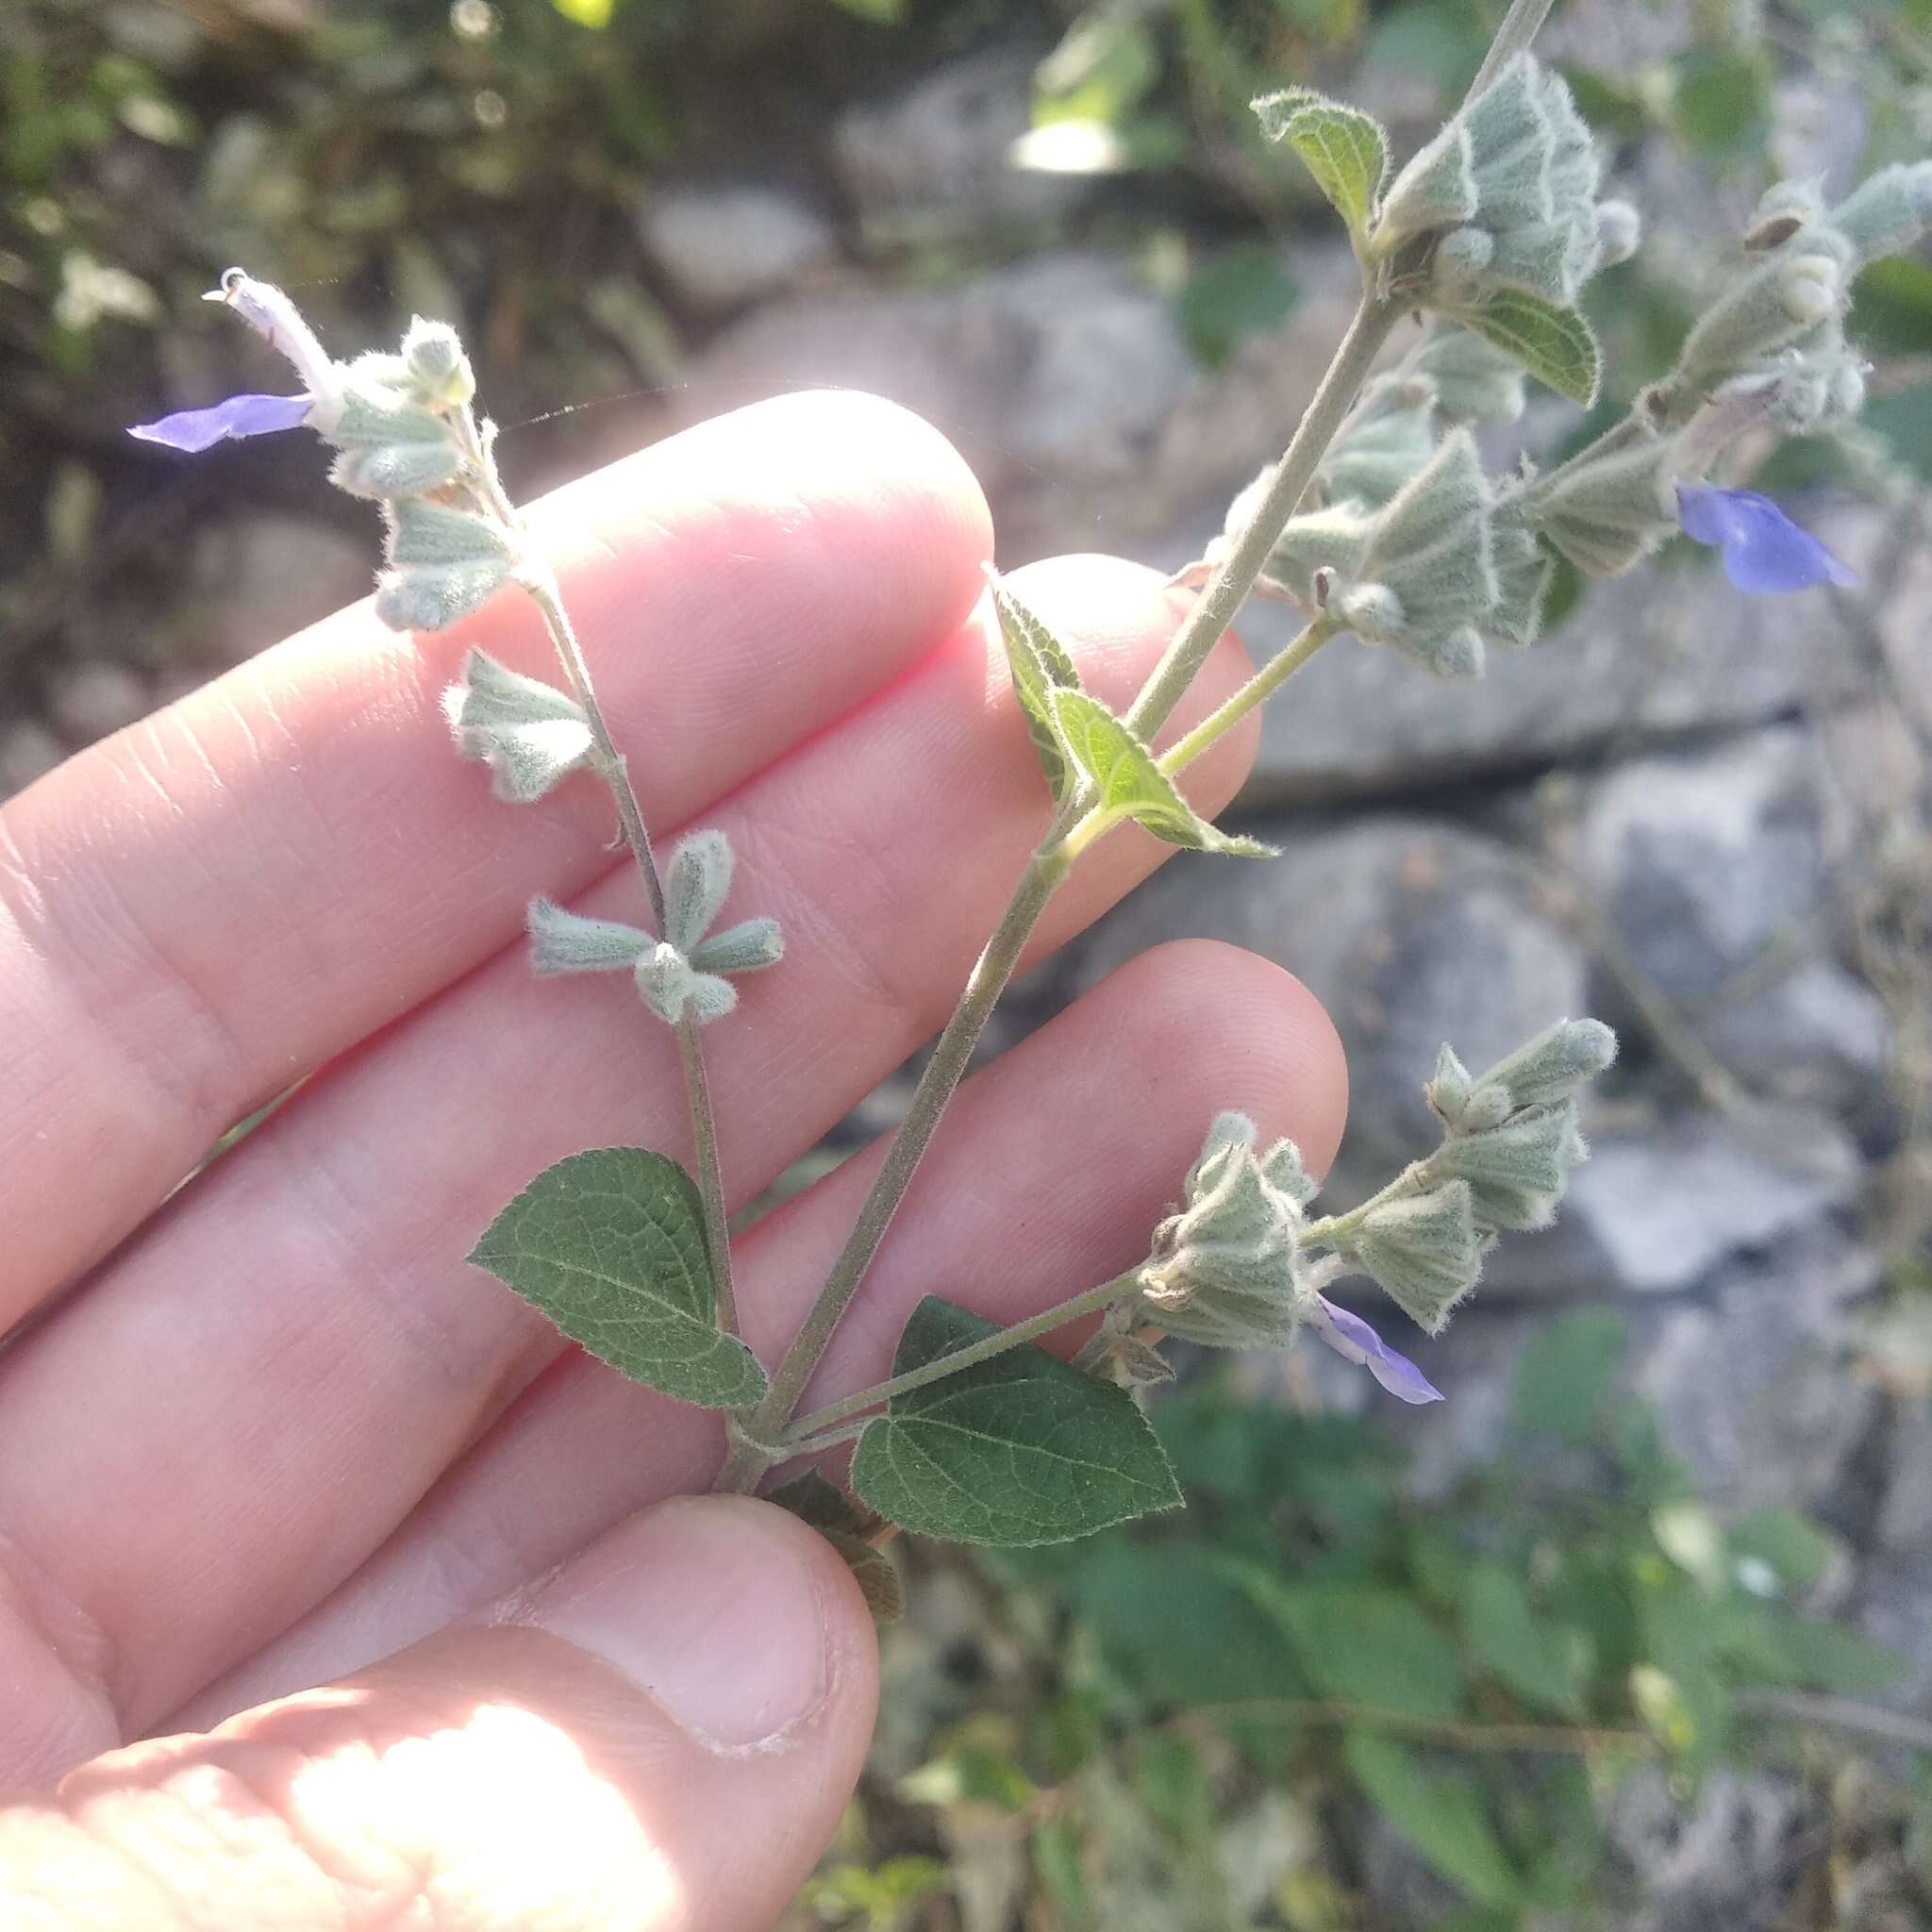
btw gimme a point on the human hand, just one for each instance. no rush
(260, 1434)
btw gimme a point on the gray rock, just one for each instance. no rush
(1753, 1383)
(1054, 378)
(263, 577)
(27, 751)
(1643, 658)
(94, 697)
(1905, 1513)
(1818, 1036)
(1707, 866)
(1698, 862)
(938, 155)
(1721, 1861)
(1896, 1588)
(1411, 930)
(719, 247)
(1659, 1204)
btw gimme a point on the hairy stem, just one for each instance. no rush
(1521, 25)
(1248, 554)
(1258, 690)
(1091, 1303)
(610, 765)
(942, 1074)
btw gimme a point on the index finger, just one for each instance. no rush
(209, 905)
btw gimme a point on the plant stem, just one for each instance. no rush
(1091, 1303)
(542, 586)
(1258, 690)
(1520, 26)
(990, 972)
(1248, 554)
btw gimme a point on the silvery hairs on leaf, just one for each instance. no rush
(531, 735)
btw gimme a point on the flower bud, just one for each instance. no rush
(396, 469)
(1774, 304)
(531, 736)
(1611, 509)
(1474, 381)
(1422, 1249)
(748, 948)
(1517, 1170)
(1619, 230)
(1886, 213)
(439, 369)
(447, 562)
(1222, 1269)
(1437, 190)
(695, 887)
(1555, 1064)
(1448, 1092)
(563, 941)
(671, 987)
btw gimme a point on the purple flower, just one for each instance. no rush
(1762, 548)
(1350, 1337)
(198, 429)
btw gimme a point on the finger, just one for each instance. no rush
(213, 902)
(658, 1739)
(308, 1301)
(1046, 1177)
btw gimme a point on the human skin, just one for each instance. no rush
(271, 1433)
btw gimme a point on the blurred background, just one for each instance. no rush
(1631, 1632)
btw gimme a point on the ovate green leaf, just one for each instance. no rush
(1344, 149)
(1552, 342)
(1566, 1372)
(1365, 1645)
(1441, 1817)
(1130, 785)
(1041, 666)
(1514, 1644)
(1020, 1449)
(610, 1245)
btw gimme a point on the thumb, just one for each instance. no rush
(660, 1737)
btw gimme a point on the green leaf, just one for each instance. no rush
(1243, 290)
(1819, 1655)
(1565, 1373)
(1443, 1817)
(1720, 99)
(1180, 1624)
(1366, 1646)
(610, 1245)
(1891, 306)
(594, 14)
(849, 1527)
(1510, 1641)
(1344, 149)
(1041, 666)
(1796, 1552)
(1017, 1449)
(1131, 784)
(1552, 342)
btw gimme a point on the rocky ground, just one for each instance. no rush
(1700, 816)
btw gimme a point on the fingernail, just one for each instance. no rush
(711, 1607)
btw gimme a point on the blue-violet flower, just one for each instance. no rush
(1352, 1338)
(1762, 548)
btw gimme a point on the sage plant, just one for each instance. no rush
(1381, 522)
